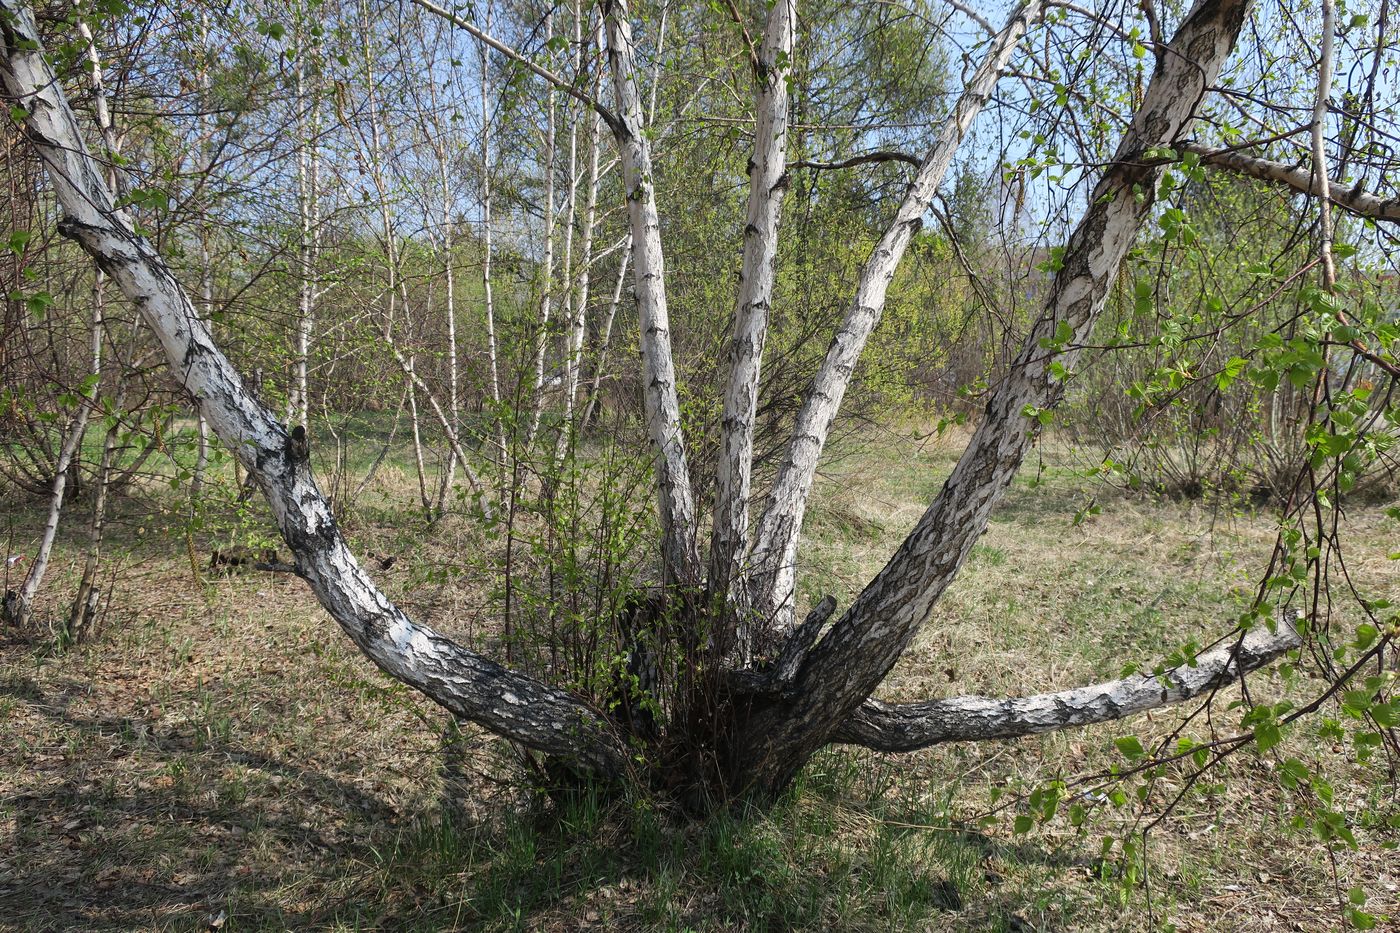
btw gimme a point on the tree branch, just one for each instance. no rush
(774, 550)
(469, 685)
(486, 38)
(866, 159)
(906, 727)
(1300, 179)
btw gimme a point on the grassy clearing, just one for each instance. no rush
(223, 755)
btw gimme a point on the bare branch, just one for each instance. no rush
(866, 159)
(1300, 179)
(485, 37)
(905, 727)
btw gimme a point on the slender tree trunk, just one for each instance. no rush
(492, 344)
(308, 217)
(773, 559)
(676, 501)
(19, 607)
(454, 404)
(590, 411)
(578, 316)
(412, 377)
(1320, 179)
(829, 685)
(550, 227)
(768, 184)
(82, 616)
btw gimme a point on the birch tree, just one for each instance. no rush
(761, 693)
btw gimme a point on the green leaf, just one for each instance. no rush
(1023, 824)
(1267, 736)
(1131, 747)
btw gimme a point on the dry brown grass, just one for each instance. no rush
(223, 755)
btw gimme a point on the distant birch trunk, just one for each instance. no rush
(590, 410)
(578, 316)
(541, 340)
(492, 344)
(308, 217)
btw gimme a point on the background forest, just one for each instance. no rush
(416, 245)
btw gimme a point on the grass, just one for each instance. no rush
(222, 755)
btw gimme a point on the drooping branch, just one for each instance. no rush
(905, 727)
(1300, 179)
(467, 684)
(767, 186)
(490, 41)
(849, 663)
(774, 550)
(680, 555)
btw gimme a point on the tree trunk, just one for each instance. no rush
(844, 669)
(679, 551)
(544, 718)
(768, 183)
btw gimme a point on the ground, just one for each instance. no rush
(223, 758)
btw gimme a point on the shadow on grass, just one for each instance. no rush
(175, 846)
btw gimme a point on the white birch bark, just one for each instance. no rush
(774, 552)
(676, 501)
(550, 230)
(308, 210)
(905, 727)
(768, 184)
(1320, 178)
(492, 351)
(454, 404)
(467, 684)
(206, 262)
(844, 669)
(578, 317)
(1355, 200)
